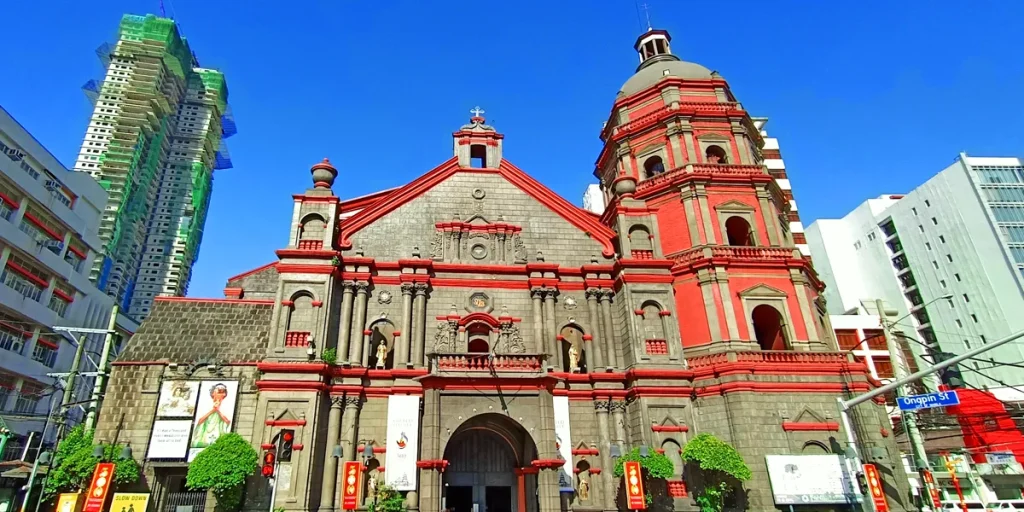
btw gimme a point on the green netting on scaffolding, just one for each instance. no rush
(177, 55)
(213, 83)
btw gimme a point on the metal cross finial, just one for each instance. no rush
(476, 111)
(647, 14)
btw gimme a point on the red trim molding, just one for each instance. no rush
(584, 451)
(376, 449)
(825, 426)
(285, 423)
(439, 464)
(670, 428)
(548, 463)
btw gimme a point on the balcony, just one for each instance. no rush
(735, 254)
(487, 363)
(685, 107)
(781, 357)
(726, 171)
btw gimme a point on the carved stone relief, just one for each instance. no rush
(444, 338)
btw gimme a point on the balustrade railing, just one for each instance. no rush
(734, 252)
(713, 170)
(478, 362)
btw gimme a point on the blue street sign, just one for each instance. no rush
(940, 399)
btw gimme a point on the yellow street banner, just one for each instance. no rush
(129, 502)
(69, 502)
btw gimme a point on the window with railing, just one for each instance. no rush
(888, 228)
(6, 210)
(11, 340)
(74, 260)
(45, 352)
(17, 282)
(900, 262)
(28, 398)
(58, 304)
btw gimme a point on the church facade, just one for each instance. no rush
(481, 344)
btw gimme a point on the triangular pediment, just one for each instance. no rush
(762, 290)
(808, 416)
(586, 223)
(734, 205)
(285, 415)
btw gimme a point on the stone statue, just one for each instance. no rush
(583, 489)
(574, 358)
(443, 338)
(371, 485)
(382, 354)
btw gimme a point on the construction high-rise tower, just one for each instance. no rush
(154, 139)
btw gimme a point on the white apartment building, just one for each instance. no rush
(48, 234)
(593, 199)
(948, 256)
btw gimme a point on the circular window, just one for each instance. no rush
(479, 194)
(479, 251)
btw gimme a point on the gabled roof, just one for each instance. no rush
(578, 217)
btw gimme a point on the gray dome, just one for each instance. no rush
(654, 69)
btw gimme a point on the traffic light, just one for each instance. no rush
(862, 483)
(950, 376)
(287, 439)
(268, 463)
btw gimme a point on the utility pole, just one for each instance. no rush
(69, 389)
(101, 372)
(909, 417)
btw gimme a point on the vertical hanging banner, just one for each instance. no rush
(403, 442)
(102, 479)
(214, 414)
(351, 475)
(635, 497)
(563, 443)
(875, 488)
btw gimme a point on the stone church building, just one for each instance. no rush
(497, 347)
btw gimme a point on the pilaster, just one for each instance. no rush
(597, 336)
(406, 340)
(419, 323)
(609, 329)
(359, 323)
(347, 291)
(768, 216)
(706, 279)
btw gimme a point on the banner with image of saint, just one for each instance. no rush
(215, 414)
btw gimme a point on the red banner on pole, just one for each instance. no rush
(635, 497)
(102, 479)
(875, 488)
(350, 479)
(933, 491)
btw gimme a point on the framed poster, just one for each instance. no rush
(169, 439)
(215, 414)
(177, 399)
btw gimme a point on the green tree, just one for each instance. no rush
(654, 466)
(721, 468)
(74, 464)
(222, 468)
(330, 356)
(388, 499)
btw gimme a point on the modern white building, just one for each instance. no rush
(593, 199)
(48, 234)
(948, 256)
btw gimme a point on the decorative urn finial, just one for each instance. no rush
(323, 174)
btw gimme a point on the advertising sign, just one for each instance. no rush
(875, 488)
(353, 471)
(169, 439)
(563, 443)
(102, 479)
(809, 479)
(68, 501)
(177, 399)
(1000, 458)
(214, 414)
(129, 502)
(403, 442)
(635, 497)
(933, 490)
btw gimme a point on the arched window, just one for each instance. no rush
(672, 450)
(301, 321)
(311, 232)
(653, 326)
(654, 166)
(814, 448)
(382, 345)
(737, 230)
(716, 155)
(769, 328)
(640, 244)
(572, 339)
(479, 338)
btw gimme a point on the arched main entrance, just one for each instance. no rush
(486, 456)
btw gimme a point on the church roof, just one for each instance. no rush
(576, 216)
(658, 68)
(182, 330)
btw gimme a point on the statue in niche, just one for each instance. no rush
(574, 358)
(382, 353)
(513, 340)
(443, 339)
(583, 489)
(519, 248)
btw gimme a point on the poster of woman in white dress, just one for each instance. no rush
(214, 414)
(177, 399)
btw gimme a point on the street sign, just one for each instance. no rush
(927, 401)
(1000, 458)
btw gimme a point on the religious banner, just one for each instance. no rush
(350, 479)
(177, 399)
(635, 497)
(875, 488)
(214, 414)
(563, 443)
(129, 502)
(403, 442)
(169, 439)
(175, 411)
(102, 479)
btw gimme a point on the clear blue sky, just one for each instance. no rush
(865, 97)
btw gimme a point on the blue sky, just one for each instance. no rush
(866, 97)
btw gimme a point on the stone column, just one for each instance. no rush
(706, 279)
(727, 303)
(619, 418)
(550, 327)
(419, 323)
(687, 198)
(331, 463)
(538, 323)
(705, 214)
(347, 289)
(768, 215)
(358, 324)
(405, 356)
(350, 427)
(800, 288)
(606, 477)
(430, 479)
(547, 479)
(609, 330)
(597, 336)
